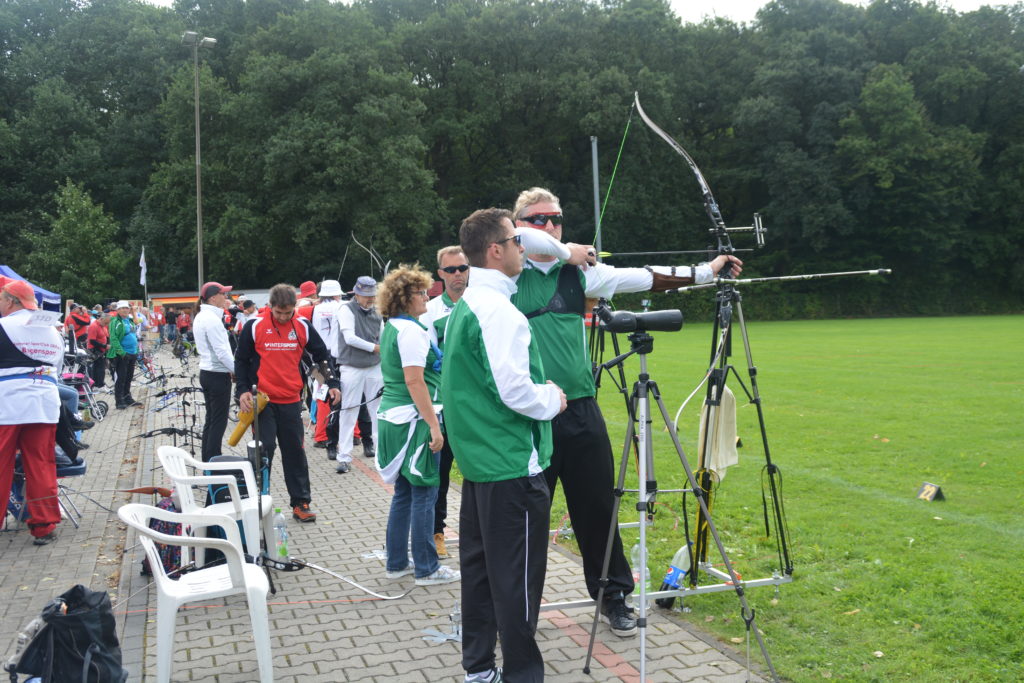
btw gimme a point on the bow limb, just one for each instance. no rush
(710, 205)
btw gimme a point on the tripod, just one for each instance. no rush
(728, 302)
(642, 344)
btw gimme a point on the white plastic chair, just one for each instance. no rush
(176, 464)
(233, 577)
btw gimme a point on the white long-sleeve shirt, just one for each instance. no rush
(212, 340)
(347, 330)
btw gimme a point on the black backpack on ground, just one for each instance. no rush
(78, 642)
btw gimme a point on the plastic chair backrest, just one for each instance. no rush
(138, 515)
(177, 461)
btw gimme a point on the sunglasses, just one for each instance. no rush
(451, 270)
(518, 239)
(541, 219)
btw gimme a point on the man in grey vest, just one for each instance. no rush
(359, 329)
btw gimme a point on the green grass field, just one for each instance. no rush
(859, 413)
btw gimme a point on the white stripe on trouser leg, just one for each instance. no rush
(526, 569)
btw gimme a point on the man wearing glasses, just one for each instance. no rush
(552, 296)
(497, 413)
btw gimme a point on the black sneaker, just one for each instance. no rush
(368, 450)
(45, 540)
(615, 614)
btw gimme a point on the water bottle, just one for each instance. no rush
(280, 535)
(634, 560)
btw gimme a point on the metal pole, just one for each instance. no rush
(597, 198)
(199, 181)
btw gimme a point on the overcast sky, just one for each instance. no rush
(744, 10)
(694, 11)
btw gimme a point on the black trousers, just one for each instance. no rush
(365, 425)
(582, 461)
(441, 506)
(99, 372)
(124, 366)
(281, 423)
(217, 393)
(503, 536)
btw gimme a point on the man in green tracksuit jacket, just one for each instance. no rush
(497, 413)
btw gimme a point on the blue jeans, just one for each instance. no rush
(69, 397)
(412, 513)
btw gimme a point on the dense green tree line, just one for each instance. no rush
(885, 136)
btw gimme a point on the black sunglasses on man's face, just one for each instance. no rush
(451, 270)
(541, 219)
(518, 239)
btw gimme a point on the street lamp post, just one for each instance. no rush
(192, 38)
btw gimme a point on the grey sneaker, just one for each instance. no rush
(442, 575)
(400, 573)
(489, 676)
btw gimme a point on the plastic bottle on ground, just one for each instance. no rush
(280, 535)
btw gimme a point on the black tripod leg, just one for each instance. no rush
(778, 510)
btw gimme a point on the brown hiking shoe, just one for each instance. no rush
(302, 513)
(442, 550)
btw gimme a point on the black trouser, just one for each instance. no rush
(503, 537)
(365, 425)
(65, 435)
(441, 506)
(217, 393)
(282, 423)
(125, 369)
(99, 371)
(582, 460)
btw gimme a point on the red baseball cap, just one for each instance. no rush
(23, 292)
(212, 289)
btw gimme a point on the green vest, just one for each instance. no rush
(561, 336)
(396, 393)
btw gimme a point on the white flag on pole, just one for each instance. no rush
(142, 265)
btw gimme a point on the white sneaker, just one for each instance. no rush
(401, 572)
(442, 575)
(492, 676)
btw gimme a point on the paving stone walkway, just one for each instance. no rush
(322, 628)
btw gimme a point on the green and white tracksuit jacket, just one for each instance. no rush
(403, 437)
(497, 405)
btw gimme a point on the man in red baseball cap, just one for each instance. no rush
(212, 289)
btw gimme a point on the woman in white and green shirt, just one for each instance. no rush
(409, 432)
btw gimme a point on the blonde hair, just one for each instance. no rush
(399, 287)
(446, 251)
(535, 195)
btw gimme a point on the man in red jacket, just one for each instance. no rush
(270, 349)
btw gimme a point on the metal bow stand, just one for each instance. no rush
(639, 403)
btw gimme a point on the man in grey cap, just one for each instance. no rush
(359, 329)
